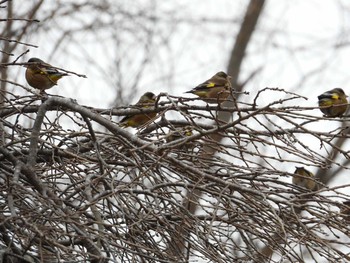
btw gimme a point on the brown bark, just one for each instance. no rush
(253, 12)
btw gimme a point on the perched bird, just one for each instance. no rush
(215, 89)
(333, 103)
(178, 134)
(304, 178)
(41, 75)
(147, 100)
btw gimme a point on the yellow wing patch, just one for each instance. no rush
(210, 85)
(335, 96)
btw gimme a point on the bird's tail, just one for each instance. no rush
(58, 74)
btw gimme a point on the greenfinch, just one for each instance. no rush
(147, 100)
(41, 75)
(178, 134)
(215, 89)
(304, 178)
(333, 103)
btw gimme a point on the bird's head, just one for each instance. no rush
(148, 97)
(34, 61)
(222, 74)
(338, 91)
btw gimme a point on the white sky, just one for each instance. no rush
(293, 39)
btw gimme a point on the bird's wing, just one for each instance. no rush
(126, 117)
(211, 84)
(328, 95)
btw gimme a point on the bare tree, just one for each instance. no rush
(75, 186)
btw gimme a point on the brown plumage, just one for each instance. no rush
(333, 103)
(304, 178)
(216, 89)
(41, 75)
(178, 134)
(147, 100)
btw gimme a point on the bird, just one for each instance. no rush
(304, 178)
(147, 100)
(333, 103)
(178, 134)
(215, 89)
(41, 75)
